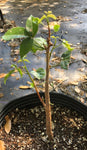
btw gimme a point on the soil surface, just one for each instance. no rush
(28, 130)
(72, 16)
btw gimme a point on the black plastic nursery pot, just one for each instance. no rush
(32, 100)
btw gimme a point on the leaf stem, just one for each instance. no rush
(34, 84)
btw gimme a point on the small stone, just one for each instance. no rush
(78, 43)
(66, 32)
(32, 110)
(54, 146)
(81, 22)
(69, 142)
(84, 139)
(17, 109)
(77, 90)
(55, 121)
(64, 138)
(15, 59)
(17, 140)
(64, 6)
(37, 115)
(42, 133)
(76, 17)
(44, 138)
(40, 9)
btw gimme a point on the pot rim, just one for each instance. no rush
(56, 98)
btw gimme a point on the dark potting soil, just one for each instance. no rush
(28, 130)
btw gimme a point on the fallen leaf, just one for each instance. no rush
(60, 18)
(74, 25)
(72, 57)
(2, 75)
(73, 82)
(28, 82)
(1, 95)
(15, 120)
(81, 69)
(81, 93)
(17, 78)
(77, 89)
(58, 80)
(84, 60)
(7, 126)
(12, 93)
(59, 70)
(1, 59)
(24, 87)
(13, 75)
(2, 145)
(73, 122)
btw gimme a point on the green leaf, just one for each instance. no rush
(51, 16)
(25, 46)
(20, 60)
(26, 60)
(66, 55)
(38, 44)
(8, 75)
(65, 59)
(32, 25)
(42, 18)
(53, 37)
(48, 12)
(17, 32)
(18, 69)
(31, 85)
(39, 73)
(64, 64)
(56, 28)
(67, 45)
(35, 74)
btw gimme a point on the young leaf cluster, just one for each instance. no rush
(29, 42)
(32, 43)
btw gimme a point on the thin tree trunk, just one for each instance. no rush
(47, 98)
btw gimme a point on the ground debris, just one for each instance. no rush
(1, 95)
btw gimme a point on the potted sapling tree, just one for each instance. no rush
(31, 43)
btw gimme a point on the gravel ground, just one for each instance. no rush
(28, 130)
